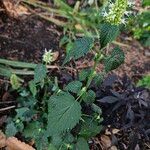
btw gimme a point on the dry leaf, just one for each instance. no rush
(13, 143)
(114, 131)
(113, 148)
(106, 142)
(15, 10)
(2, 139)
(78, 27)
(55, 56)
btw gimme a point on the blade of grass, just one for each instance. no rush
(17, 64)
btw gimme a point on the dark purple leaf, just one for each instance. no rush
(130, 114)
(110, 80)
(109, 99)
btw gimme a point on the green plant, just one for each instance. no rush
(64, 115)
(145, 81)
(140, 25)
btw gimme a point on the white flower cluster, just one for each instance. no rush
(117, 11)
(48, 56)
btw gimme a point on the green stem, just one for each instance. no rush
(98, 58)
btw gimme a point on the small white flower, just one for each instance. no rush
(123, 21)
(48, 56)
(105, 14)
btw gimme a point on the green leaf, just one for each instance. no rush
(4, 71)
(39, 73)
(57, 140)
(64, 113)
(114, 60)
(80, 47)
(32, 130)
(82, 144)
(89, 97)
(21, 112)
(145, 81)
(74, 86)
(11, 129)
(41, 141)
(108, 33)
(15, 81)
(83, 74)
(51, 147)
(33, 88)
(89, 128)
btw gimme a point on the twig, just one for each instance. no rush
(7, 108)
(121, 44)
(7, 102)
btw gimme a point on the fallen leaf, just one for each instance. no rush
(55, 56)
(114, 131)
(13, 143)
(113, 148)
(106, 142)
(15, 10)
(2, 140)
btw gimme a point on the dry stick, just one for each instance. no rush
(7, 108)
(7, 102)
(121, 44)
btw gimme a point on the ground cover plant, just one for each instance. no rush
(140, 26)
(56, 110)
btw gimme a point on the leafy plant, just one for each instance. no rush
(145, 81)
(141, 25)
(128, 108)
(65, 116)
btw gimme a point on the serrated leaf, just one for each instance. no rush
(74, 86)
(51, 147)
(89, 97)
(82, 144)
(33, 88)
(89, 128)
(41, 141)
(32, 130)
(108, 33)
(64, 113)
(80, 47)
(21, 112)
(11, 129)
(114, 60)
(83, 74)
(57, 140)
(39, 73)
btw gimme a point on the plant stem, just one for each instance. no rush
(98, 58)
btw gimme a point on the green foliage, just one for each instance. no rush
(140, 25)
(89, 128)
(81, 144)
(145, 81)
(54, 113)
(114, 60)
(74, 86)
(80, 47)
(15, 81)
(39, 73)
(11, 129)
(108, 33)
(64, 113)
(33, 88)
(89, 97)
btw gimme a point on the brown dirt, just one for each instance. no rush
(26, 39)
